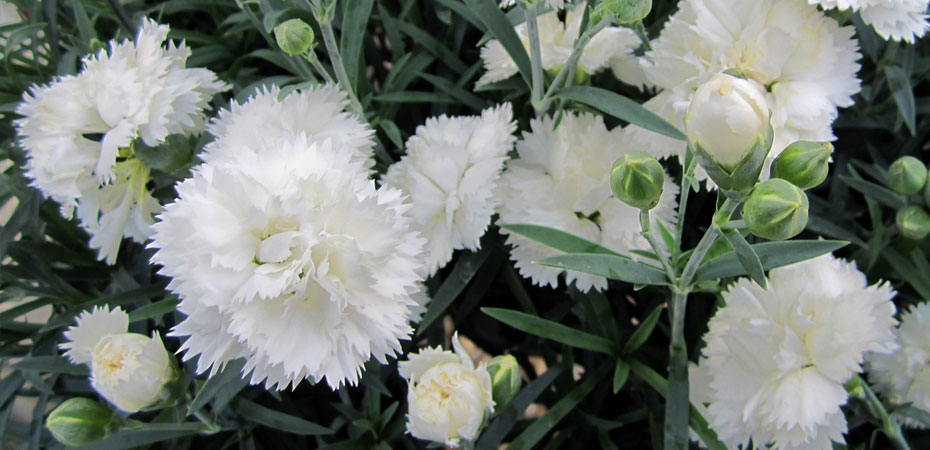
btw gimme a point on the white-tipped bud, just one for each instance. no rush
(131, 371)
(728, 128)
(505, 379)
(81, 421)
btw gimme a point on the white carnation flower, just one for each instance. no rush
(778, 358)
(318, 112)
(904, 376)
(273, 248)
(78, 132)
(556, 40)
(899, 20)
(128, 369)
(450, 172)
(448, 397)
(804, 60)
(562, 181)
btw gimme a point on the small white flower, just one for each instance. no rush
(904, 376)
(804, 60)
(899, 20)
(556, 41)
(128, 369)
(777, 358)
(318, 112)
(450, 172)
(448, 397)
(75, 129)
(562, 181)
(275, 247)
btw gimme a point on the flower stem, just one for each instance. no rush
(890, 425)
(532, 29)
(572, 62)
(646, 225)
(324, 17)
(640, 31)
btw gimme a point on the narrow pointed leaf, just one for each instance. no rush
(279, 420)
(747, 256)
(552, 330)
(608, 266)
(643, 331)
(771, 254)
(620, 107)
(558, 239)
(492, 437)
(500, 27)
(621, 374)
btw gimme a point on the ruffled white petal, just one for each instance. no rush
(92, 326)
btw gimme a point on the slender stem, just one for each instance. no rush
(332, 49)
(677, 405)
(315, 62)
(890, 425)
(640, 31)
(572, 61)
(722, 216)
(646, 226)
(682, 209)
(532, 29)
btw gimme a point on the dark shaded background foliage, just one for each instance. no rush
(415, 59)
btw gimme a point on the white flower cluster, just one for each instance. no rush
(448, 396)
(612, 46)
(128, 369)
(899, 20)
(78, 132)
(281, 241)
(904, 376)
(776, 359)
(802, 60)
(450, 172)
(562, 180)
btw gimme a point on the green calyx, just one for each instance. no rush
(804, 164)
(743, 176)
(623, 11)
(913, 222)
(776, 210)
(907, 175)
(637, 179)
(294, 36)
(81, 421)
(505, 379)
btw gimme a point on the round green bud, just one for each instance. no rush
(805, 164)
(907, 175)
(637, 179)
(913, 222)
(623, 11)
(505, 379)
(81, 421)
(294, 36)
(776, 210)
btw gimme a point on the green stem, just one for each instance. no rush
(890, 425)
(640, 31)
(646, 226)
(532, 29)
(315, 62)
(572, 61)
(332, 49)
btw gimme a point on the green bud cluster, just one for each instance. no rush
(637, 179)
(908, 176)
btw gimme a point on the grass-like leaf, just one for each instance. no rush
(747, 256)
(771, 255)
(557, 239)
(620, 107)
(607, 266)
(279, 420)
(552, 330)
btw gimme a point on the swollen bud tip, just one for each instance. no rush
(505, 379)
(637, 179)
(907, 175)
(294, 36)
(804, 164)
(913, 222)
(81, 421)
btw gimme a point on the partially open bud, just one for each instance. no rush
(505, 379)
(776, 210)
(81, 421)
(294, 36)
(907, 175)
(637, 179)
(623, 11)
(132, 371)
(913, 222)
(805, 164)
(728, 128)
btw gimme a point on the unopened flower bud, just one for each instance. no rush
(294, 37)
(805, 164)
(505, 379)
(623, 11)
(81, 421)
(728, 128)
(131, 371)
(637, 179)
(913, 222)
(907, 175)
(776, 210)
